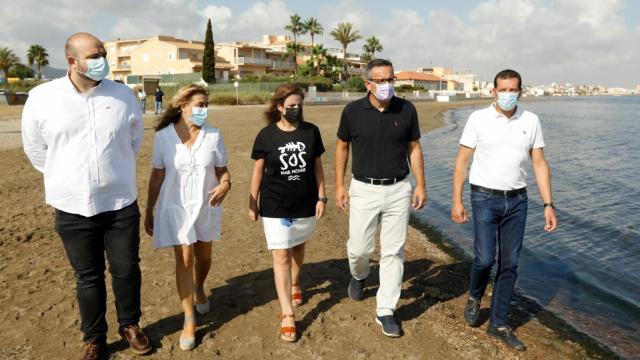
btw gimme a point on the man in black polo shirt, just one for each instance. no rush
(385, 135)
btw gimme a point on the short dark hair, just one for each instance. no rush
(375, 63)
(507, 74)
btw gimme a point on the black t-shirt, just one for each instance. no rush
(379, 140)
(289, 188)
(159, 95)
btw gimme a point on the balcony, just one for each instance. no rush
(283, 65)
(246, 60)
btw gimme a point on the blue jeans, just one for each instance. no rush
(143, 105)
(86, 240)
(498, 223)
(158, 107)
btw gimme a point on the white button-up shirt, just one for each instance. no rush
(502, 147)
(85, 144)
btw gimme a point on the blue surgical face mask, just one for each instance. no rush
(199, 116)
(507, 100)
(97, 69)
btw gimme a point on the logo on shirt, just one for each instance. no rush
(292, 160)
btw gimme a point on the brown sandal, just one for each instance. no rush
(284, 330)
(296, 298)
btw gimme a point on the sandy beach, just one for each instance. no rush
(41, 319)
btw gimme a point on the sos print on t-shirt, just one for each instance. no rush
(292, 158)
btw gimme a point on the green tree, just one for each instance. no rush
(209, 58)
(313, 28)
(296, 27)
(319, 54)
(7, 59)
(372, 46)
(38, 55)
(292, 51)
(20, 71)
(345, 35)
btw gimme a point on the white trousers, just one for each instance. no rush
(388, 205)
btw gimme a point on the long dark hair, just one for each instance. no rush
(272, 114)
(180, 99)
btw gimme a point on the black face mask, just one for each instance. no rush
(293, 115)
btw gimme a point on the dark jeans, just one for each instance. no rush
(497, 220)
(86, 240)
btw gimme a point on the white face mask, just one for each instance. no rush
(507, 100)
(384, 92)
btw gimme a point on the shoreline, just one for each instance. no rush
(240, 286)
(524, 307)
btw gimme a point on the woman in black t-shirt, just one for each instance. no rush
(289, 180)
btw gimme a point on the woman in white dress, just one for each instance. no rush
(188, 183)
(289, 180)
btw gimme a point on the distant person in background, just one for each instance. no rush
(88, 159)
(158, 95)
(188, 182)
(385, 134)
(502, 138)
(142, 97)
(288, 179)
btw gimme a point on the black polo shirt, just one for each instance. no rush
(379, 140)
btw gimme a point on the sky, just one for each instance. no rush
(564, 41)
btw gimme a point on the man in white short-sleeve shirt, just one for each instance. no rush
(82, 132)
(502, 139)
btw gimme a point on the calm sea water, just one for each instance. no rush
(588, 271)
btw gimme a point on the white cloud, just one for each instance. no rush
(565, 41)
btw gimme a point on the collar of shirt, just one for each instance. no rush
(393, 105)
(498, 114)
(68, 85)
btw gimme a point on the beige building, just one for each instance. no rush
(162, 57)
(168, 59)
(428, 81)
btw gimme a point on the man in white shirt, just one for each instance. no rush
(82, 132)
(502, 139)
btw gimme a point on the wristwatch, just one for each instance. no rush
(323, 199)
(551, 205)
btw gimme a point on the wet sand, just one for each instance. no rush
(41, 321)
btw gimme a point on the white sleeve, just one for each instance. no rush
(221, 152)
(469, 136)
(538, 139)
(156, 158)
(33, 142)
(137, 126)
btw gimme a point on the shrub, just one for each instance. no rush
(355, 83)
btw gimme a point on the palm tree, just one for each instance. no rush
(292, 50)
(320, 54)
(7, 59)
(345, 35)
(372, 46)
(37, 55)
(313, 27)
(295, 27)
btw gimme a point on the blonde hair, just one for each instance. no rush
(180, 99)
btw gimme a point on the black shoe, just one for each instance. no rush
(390, 326)
(472, 312)
(507, 336)
(356, 289)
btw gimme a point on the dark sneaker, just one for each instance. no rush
(507, 336)
(94, 350)
(390, 326)
(472, 312)
(356, 289)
